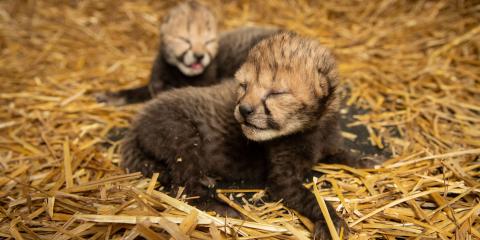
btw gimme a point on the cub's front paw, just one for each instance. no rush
(219, 208)
(370, 161)
(208, 182)
(146, 167)
(110, 98)
(323, 233)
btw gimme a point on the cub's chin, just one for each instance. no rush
(259, 135)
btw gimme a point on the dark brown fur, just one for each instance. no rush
(191, 133)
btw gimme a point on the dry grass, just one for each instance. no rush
(415, 64)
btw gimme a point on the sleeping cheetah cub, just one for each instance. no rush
(272, 126)
(191, 53)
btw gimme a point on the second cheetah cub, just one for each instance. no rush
(271, 126)
(192, 53)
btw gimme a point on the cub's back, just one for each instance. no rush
(235, 45)
(211, 106)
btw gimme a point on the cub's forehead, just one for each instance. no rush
(190, 17)
(288, 50)
(286, 57)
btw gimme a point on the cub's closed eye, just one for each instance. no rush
(243, 85)
(276, 93)
(210, 41)
(183, 39)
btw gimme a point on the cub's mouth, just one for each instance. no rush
(256, 133)
(196, 66)
(253, 126)
(191, 69)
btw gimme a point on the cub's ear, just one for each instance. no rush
(326, 81)
(166, 19)
(320, 85)
(239, 73)
(325, 62)
(165, 22)
(327, 73)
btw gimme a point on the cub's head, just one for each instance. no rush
(189, 37)
(287, 85)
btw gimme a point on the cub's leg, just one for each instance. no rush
(135, 159)
(123, 97)
(290, 161)
(174, 142)
(187, 170)
(352, 159)
(335, 152)
(135, 95)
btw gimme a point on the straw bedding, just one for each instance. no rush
(414, 64)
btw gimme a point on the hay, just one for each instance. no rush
(414, 64)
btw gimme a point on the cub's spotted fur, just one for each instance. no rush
(191, 53)
(271, 126)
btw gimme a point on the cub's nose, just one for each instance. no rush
(245, 110)
(198, 56)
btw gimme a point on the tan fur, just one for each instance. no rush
(288, 78)
(188, 29)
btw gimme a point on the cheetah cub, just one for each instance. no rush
(272, 125)
(192, 53)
